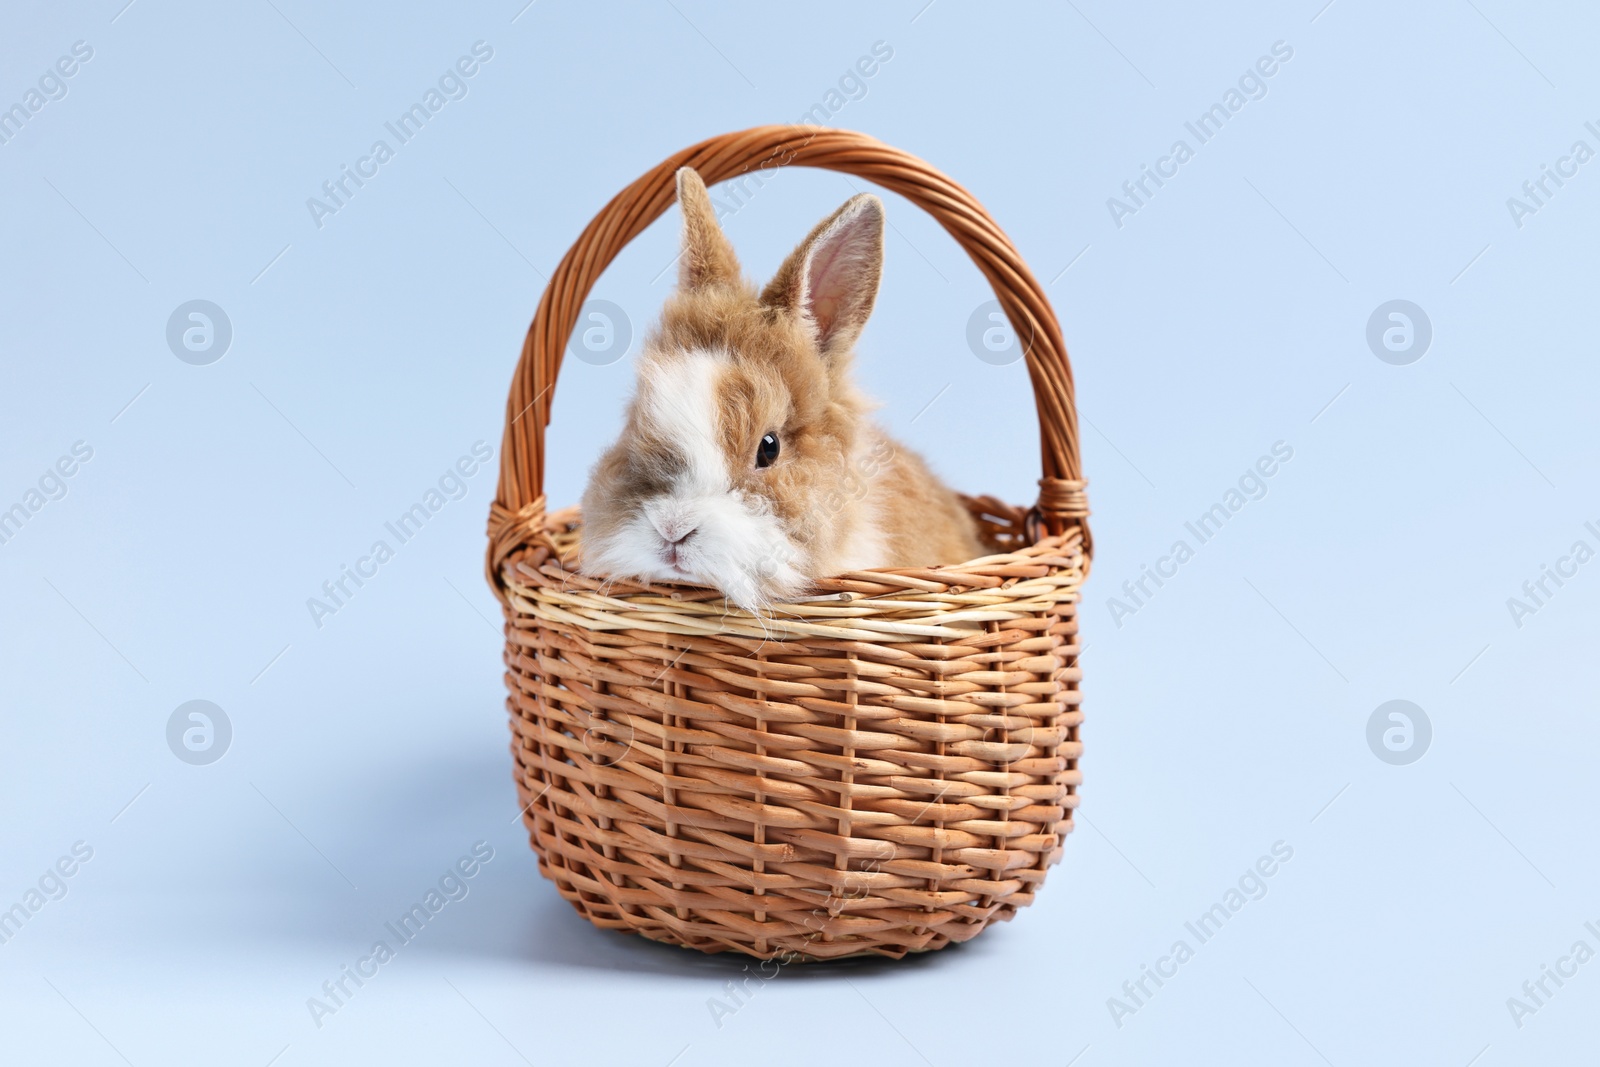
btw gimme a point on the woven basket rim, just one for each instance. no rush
(992, 571)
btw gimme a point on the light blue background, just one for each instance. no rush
(1228, 714)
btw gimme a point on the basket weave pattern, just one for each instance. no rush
(886, 766)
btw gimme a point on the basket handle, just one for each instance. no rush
(1062, 504)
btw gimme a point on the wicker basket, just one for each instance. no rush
(885, 767)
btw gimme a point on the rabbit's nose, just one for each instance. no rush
(674, 530)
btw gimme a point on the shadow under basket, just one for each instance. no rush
(885, 766)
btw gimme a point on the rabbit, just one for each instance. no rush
(748, 462)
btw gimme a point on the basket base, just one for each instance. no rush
(884, 770)
(811, 947)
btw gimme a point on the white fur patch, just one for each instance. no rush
(731, 540)
(681, 405)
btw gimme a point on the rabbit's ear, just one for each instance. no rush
(707, 257)
(831, 280)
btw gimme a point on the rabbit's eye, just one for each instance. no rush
(767, 450)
